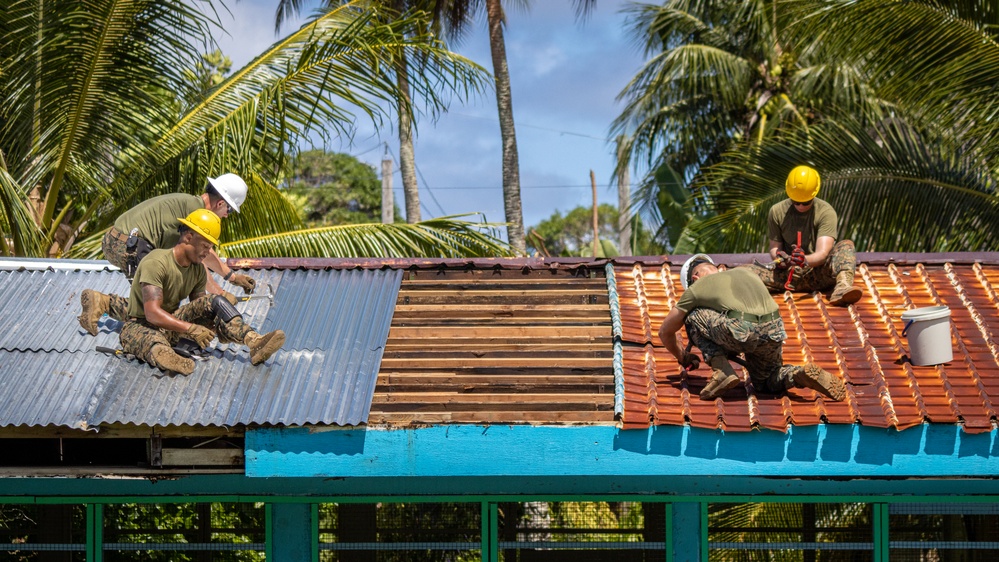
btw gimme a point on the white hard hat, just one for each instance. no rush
(232, 188)
(688, 266)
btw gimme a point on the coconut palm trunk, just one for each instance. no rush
(504, 104)
(407, 155)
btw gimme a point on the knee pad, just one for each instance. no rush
(224, 309)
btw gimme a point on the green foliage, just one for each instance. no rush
(572, 234)
(334, 189)
(85, 120)
(901, 128)
(207, 73)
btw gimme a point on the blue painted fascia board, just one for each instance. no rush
(832, 451)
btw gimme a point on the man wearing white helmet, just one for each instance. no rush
(802, 233)
(729, 312)
(153, 224)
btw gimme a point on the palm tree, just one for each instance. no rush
(407, 152)
(89, 117)
(724, 116)
(459, 14)
(719, 73)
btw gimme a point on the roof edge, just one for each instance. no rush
(878, 258)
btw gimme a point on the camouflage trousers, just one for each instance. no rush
(139, 337)
(113, 248)
(715, 334)
(843, 257)
(114, 252)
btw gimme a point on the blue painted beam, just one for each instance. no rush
(593, 451)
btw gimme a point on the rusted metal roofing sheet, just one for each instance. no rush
(336, 323)
(518, 343)
(863, 343)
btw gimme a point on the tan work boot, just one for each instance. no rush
(168, 360)
(818, 379)
(263, 346)
(844, 293)
(723, 377)
(94, 306)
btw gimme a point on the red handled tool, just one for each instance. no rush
(790, 270)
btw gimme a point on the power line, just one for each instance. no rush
(519, 125)
(426, 186)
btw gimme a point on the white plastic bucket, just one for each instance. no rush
(928, 330)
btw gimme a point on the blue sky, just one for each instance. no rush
(565, 77)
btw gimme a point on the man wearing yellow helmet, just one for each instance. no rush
(802, 242)
(153, 224)
(156, 321)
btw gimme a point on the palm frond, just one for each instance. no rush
(82, 81)
(444, 237)
(314, 81)
(15, 218)
(895, 189)
(938, 61)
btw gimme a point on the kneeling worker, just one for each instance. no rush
(802, 244)
(165, 277)
(731, 312)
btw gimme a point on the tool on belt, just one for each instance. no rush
(136, 248)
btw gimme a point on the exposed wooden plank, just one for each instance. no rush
(431, 379)
(595, 284)
(555, 310)
(500, 298)
(583, 344)
(439, 362)
(403, 419)
(446, 353)
(399, 332)
(440, 398)
(202, 457)
(502, 372)
(509, 293)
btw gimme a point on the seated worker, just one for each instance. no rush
(819, 263)
(165, 277)
(155, 224)
(730, 312)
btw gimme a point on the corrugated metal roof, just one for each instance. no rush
(336, 323)
(863, 343)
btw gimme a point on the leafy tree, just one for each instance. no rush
(572, 234)
(738, 93)
(334, 189)
(85, 132)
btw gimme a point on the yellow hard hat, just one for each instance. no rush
(205, 223)
(802, 184)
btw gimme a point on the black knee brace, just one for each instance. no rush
(224, 309)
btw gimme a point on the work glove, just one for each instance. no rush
(798, 256)
(230, 297)
(782, 261)
(690, 361)
(200, 334)
(245, 282)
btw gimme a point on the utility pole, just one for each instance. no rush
(596, 219)
(623, 201)
(388, 205)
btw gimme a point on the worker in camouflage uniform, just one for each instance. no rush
(156, 321)
(731, 312)
(153, 224)
(819, 263)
